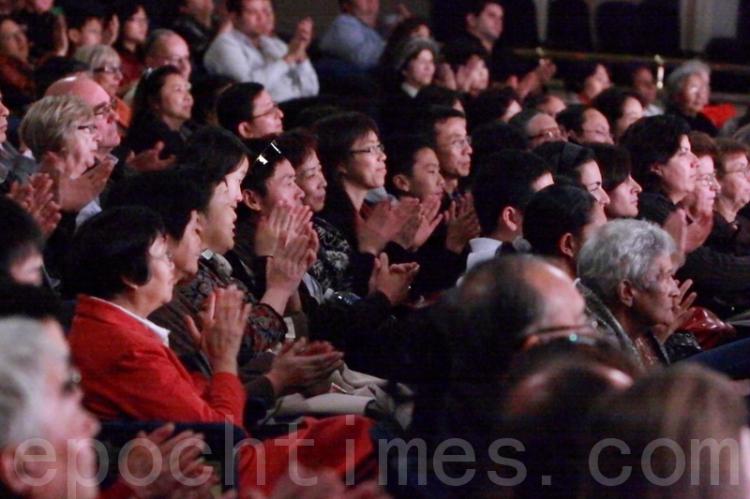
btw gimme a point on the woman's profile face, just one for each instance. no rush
(623, 199)
(175, 100)
(678, 174)
(158, 289)
(694, 94)
(632, 111)
(109, 76)
(135, 28)
(366, 168)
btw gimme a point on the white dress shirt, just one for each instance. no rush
(234, 55)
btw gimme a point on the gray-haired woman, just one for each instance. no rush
(688, 90)
(628, 265)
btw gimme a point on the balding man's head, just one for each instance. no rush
(95, 96)
(521, 294)
(165, 47)
(500, 306)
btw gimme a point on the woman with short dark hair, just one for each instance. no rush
(663, 163)
(617, 182)
(621, 108)
(353, 160)
(122, 271)
(575, 163)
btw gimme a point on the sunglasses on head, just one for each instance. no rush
(271, 153)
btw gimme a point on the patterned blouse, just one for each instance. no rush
(265, 328)
(331, 269)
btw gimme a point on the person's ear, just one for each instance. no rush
(54, 157)
(12, 472)
(511, 218)
(530, 342)
(471, 20)
(74, 35)
(567, 245)
(245, 130)
(626, 293)
(130, 285)
(402, 183)
(656, 169)
(341, 170)
(251, 200)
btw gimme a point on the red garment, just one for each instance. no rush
(132, 68)
(129, 374)
(341, 444)
(719, 114)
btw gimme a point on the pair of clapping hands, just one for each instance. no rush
(410, 223)
(49, 193)
(298, 366)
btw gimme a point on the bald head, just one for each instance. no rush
(524, 293)
(563, 304)
(165, 47)
(95, 96)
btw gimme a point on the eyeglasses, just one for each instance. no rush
(176, 61)
(273, 109)
(548, 133)
(91, 128)
(743, 171)
(373, 149)
(587, 330)
(105, 109)
(72, 383)
(109, 69)
(707, 180)
(461, 143)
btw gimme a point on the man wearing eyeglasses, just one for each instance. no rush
(537, 127)
(164, 47)
(447, 127)
(583, 124)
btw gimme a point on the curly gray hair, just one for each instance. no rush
(97, 56)
(622, 250)
(25, 351)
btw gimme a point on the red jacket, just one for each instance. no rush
(128, 373)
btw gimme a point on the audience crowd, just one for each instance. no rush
(361, 263)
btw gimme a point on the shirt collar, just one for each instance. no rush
(161, 333)
(410, 90)
(480, 244)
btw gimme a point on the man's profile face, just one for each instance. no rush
(453, 147)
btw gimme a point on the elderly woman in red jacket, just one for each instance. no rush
(123, 272)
